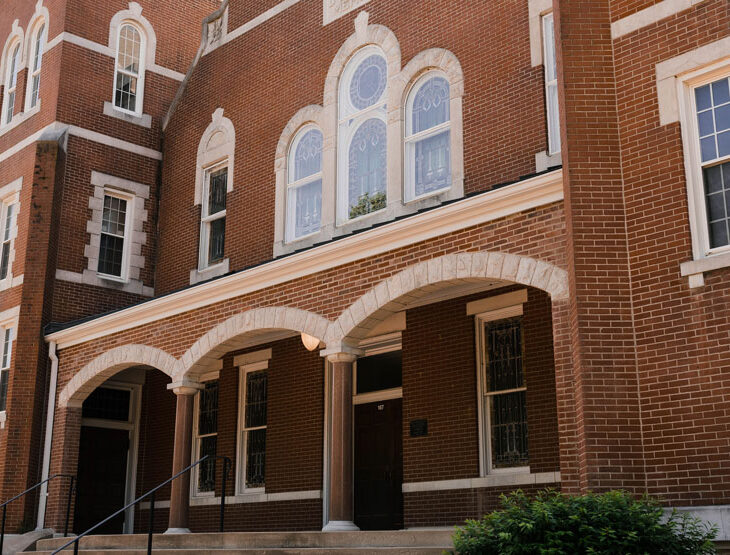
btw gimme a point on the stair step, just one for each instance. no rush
(412, 541)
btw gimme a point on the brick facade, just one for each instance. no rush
(626, 363)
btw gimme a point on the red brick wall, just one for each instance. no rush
(294, 51)
(683, 335)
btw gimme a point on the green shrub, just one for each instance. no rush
(366, 204)
(611, 523)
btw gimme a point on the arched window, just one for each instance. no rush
(11, 82)
(428, 137)
(36, 58)
(362, 135)
(304, 184)
(129, 73)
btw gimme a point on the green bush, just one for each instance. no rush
(366, 204)
(611, 523)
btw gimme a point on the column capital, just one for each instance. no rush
(185, 387)
(341, 353)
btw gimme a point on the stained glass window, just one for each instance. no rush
(428, 137)
(304, 202)
(505, 393)
(713, 121)
(254, 429)
(362, 160)
(207, 436)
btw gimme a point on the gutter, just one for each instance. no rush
(49, 435)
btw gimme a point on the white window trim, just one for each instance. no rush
(485, 445)
(207, 219)
(247, 363)
(291, 185)
(10, 194)
(9, 319)
(140, 76)
(551, 151)
(194, 473)
(32, 48)
(135, 237)
(409, 137)
(705, 258)
(129, 199)
(8, 75)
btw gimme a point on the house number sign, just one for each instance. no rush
(334, 9)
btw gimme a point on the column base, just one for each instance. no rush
(177, 531)
(340, 526)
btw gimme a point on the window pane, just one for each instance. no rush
(208, 409)
(217, 191)
(713, 119)
(3, 388)
(217, 239)
(38, 49)
(114, 215)
(717, 198)
(432, 163)
(553, 114)
(13, 75)
(5, 260)
(308, 155)
(306, 201)
(378, 372)
(367, 168)
(256, 398)
(126, 92)
(504, 344)
(368, 82)
(431, 105)
(256, 458)
(508, 420)
(106, 403)
(111, 252)
(7, 347)
(206, 469)
(129, 46)
(36, 88)
(549, 38)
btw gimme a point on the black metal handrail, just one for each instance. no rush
(68, 504)
(227, 464)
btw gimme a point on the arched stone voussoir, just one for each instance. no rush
(394, 293)
(109, 363)
(233, 333)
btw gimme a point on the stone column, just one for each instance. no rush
(180, 487)
(341, 492)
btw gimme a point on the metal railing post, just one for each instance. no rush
(68, 506)
(152, 521)
(2, 532)
(223, 493)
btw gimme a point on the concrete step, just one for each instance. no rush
(415, 550)
(411, 541)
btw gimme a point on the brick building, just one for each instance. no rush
(391, 261)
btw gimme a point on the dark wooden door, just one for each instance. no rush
(102, 479)
(379, 465)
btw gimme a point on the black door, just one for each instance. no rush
(102, 479)
(379, 465)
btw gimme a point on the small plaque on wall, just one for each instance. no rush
(419, 428)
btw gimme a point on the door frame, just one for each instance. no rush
(132, 426)
(371, 346)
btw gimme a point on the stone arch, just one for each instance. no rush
(433, 58)
(134, 15)
(39, 16)
(16, 36)
(394, 293)
(218, 143)
(109, 363)
(236, 332)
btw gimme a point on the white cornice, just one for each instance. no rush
(531, 193)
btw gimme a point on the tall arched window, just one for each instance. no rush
(304, 184)
(36, 58)
(129, 73)
(362, 141)
(428, 137)
(11, 82)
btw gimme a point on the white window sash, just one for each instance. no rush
(140, 75)
(292, 209)
(8, 233)
(550, 62)
(125, 237)
(207, 219)
(197, 443)
(36, 62)
(11, 84)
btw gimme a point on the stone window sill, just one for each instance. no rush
(196, 276)
(695, 269)
(143, 120)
